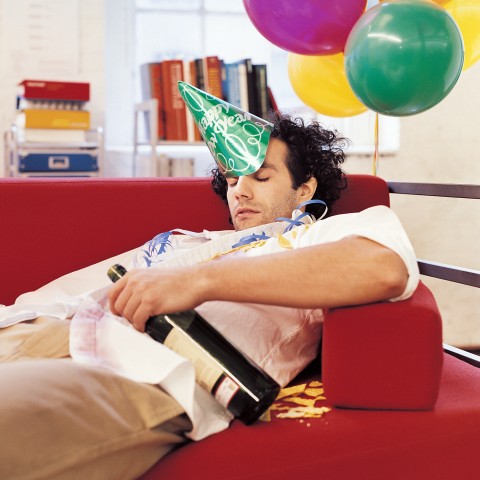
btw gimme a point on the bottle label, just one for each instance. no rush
(207, 372)
(226, 391)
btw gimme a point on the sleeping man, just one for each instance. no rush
(85, 394)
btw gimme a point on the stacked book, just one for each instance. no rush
(240, 83)
(49, 111)
(52, 111)
(52, 128)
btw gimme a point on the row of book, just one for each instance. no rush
(240, 83)
(52, 111)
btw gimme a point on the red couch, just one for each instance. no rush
(401, 409)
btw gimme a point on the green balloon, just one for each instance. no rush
(404, 56)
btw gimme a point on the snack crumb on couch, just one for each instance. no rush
(304, 398)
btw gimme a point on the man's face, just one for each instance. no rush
(266, 194)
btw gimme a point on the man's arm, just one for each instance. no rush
(351, 271)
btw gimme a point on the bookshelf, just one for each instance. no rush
(53, 159)
(168, 123)
(157, 149)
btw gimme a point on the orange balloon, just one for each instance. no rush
(466, 14)
(321, 83)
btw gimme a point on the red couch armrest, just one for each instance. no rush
(384, 355)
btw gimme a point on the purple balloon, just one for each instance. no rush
(306, 27)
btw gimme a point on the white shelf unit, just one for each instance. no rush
(56, 158)
(158, 150)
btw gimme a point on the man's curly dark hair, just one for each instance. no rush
(314, 151)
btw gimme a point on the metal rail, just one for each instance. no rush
(451, 273)
(436, 189)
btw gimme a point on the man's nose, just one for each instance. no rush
(243, 187)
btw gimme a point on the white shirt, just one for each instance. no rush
(281, 340)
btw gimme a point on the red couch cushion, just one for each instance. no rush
(346, 443)
(78, 222)
(60, 225)
(363, 191)
(366, 365)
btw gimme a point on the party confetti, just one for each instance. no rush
(304, 412)
(302, 399)
(284, 243)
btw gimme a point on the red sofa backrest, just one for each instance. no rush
(363, 191)
(50, 227)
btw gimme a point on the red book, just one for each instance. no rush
(151, 84)
(50, 90)
(190, 76)
(213, 74)
(174, 106)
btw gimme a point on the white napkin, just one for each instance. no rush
(101, 339)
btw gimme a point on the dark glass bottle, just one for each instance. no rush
(234, 380)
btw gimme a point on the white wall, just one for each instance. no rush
(84, 37)
(119, 75)
(442, 145)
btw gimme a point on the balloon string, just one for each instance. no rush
(375, 153)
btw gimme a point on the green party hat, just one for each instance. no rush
(237, 139)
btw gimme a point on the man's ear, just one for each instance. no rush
(307, 189)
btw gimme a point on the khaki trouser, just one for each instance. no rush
(63, 420)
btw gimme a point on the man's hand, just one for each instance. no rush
(143, 293)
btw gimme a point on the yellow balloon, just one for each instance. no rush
(321, 83)
(467, 15)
